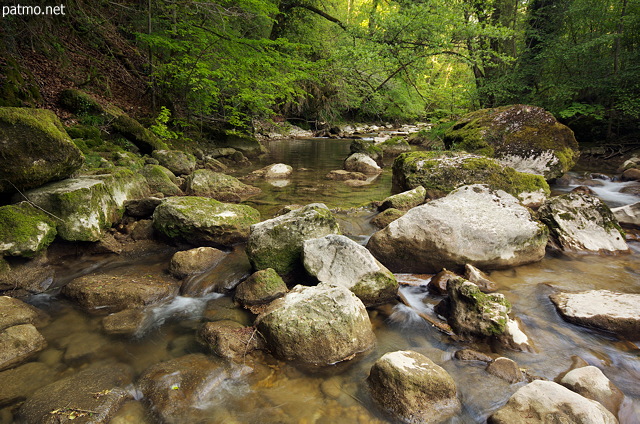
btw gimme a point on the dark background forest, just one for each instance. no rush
(193, 63)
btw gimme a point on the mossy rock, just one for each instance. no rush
(161, 180)
(79, 102)
(25, 230)
(18, 88)
(394, 146)
(386, 217)
(277, 243)
(89, 204)
(245, 143)
(405, 200)
(131, 129)
(176, 161)
(206, 183)
(442, 172)
(35, 149)
(203, 221)
(527, 138)
(261, 288)
(369, 148)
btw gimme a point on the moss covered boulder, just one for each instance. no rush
(133, 131)
(178, 162)
(203, 221)
(442, 172)
(277, 243)
(25, 230)
(35, 149)
(476, 314)
(87, 205)
(317, 326)
(394, 146)
(161, 180)
(369, 148)
(473, 225)
(225, 188)
(338, 260)
(583, 222)
(412, 388)
(405, 200)
(261, 288)
(526, 138)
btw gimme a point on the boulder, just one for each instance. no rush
(180, 163)
(591, 383)
(35, 149)
(132, 130)
(581, 222)
(473, 225)
(129, 322)
(230, 339)
(16, 312)
(161, 180)
(628, 215)
(545, 402)
(631, 174)
(194, 261)
(476, 314)
(359, 162)
(342, 175)
(199, 220)
(524, 137)
(273, 171)
(225, 188)
(87, 205)
(602, 309)
(438, 283)
(506, 369)
(104, 293)
(19, 343)
(277, 243)
(261, 288)
(25, 230)
(367, 147)
(442, 172)
(386, 217)
(479, 278)
(394, 146)
(180, 390)
(93, 395)
(338, 260)
(317, 326)
(19, 383)
(405, 200)
(412, 388)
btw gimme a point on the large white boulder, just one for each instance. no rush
(472, 225)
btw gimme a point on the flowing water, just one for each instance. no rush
(276, 392)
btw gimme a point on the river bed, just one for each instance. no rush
(277, 392)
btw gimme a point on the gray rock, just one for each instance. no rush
(93, 395)
(15, 312)
(202, 221)
(338, 260)
(19, 343)
(129, 322)
(105, 293)
(225, 188)
(317, 326)
(230, 339)
(87, 205)
(35, 149)
(472, 225)
(581, 222)
(277, 243)
(273, 171)
(412, 388)
(180, 163)
(473, 313)
(180, 390)
(194, 261)
(405, 200)
(545, 402)
(524, 137)
(628, 215)
(602, 309)
(25, 230)
(591, 383)
(360, 162)
(506, 369)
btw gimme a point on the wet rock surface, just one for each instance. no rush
(601, 309)
(473, 225)
(230, 339)
(194, 261)
(19, 343)
(412, 388)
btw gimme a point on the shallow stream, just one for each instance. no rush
(277, 392)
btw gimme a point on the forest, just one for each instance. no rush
(321, 62)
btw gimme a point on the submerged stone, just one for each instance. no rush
(19, 343)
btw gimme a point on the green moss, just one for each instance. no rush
(79, 102)
(144, 139)
(42, 119)
(368, 147)
(18, 86)
(27, 229)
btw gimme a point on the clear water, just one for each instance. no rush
(277, 392)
